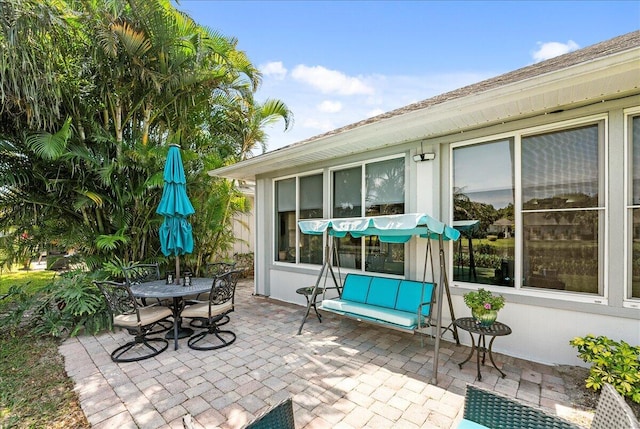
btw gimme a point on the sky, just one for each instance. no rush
(334, 63)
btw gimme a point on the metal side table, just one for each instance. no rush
(497, 329)
(307, 292)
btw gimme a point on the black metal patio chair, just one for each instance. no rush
(142, 273)
(138, 321)
(212, 312)
(212, 269)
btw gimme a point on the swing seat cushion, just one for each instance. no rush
(383, 300)
(373, 312)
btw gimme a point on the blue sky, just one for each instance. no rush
(338, 62)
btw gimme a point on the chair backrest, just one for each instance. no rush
(141, 273)
(119, 298)
(213, 269)
(612, 411)
(279, 416)
(494, 410)
(223, 288)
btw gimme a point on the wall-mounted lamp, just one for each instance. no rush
(429, 156)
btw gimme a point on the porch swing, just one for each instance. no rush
(390, 302)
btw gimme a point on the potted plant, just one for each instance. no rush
(484, 306)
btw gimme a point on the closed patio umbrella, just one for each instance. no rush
(176, 237)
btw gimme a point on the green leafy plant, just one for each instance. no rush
(66, 306)
(614, 362)
(483, 300)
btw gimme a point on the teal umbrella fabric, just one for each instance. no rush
(176, 237)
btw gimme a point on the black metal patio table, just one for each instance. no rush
(160, 289)
(470, 325)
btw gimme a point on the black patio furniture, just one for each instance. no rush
(497, 329)
(308, 294)
(280, 416)
(212, 312)
(159, 289)
(140, 273)
(211, 269)
(143, 273)
(138, 321)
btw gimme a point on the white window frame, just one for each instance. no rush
(363, 197)
(628, 301)
(274, 204)
(517, 136)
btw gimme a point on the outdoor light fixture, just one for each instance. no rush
(422, 156)
(429, 156)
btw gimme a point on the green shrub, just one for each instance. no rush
(616, 363)
(66, 306)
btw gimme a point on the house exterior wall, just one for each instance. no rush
(544, 321)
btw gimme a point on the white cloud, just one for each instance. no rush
(275, 69)
(313, 110)
(553, 49)
(330, 81)
(328, 106)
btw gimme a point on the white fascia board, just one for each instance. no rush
(596, 80)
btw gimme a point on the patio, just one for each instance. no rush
(340, 374)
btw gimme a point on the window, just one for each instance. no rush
(292, 206)
(382, 185)
(311, 207)
(556, 223)
(483, 201)
(286, 220)
(633, 207)
(562, 209)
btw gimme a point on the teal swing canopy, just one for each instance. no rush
(390, 228)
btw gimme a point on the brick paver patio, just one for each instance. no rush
(340, 374)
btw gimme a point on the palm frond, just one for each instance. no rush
(50, 146)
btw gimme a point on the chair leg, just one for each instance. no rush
(117, 354)
(225, 338)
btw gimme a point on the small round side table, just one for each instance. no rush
(497, 329)
(307, 292)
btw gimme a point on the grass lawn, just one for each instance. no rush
(31, 281)
(35, 391)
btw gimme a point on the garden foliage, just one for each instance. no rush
(614, 362)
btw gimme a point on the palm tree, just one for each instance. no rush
(82, 140)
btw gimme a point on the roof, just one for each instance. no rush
(602, 71)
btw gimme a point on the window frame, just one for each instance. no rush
(363, 195)
(602, 120)
(629, 114)
(297, 178)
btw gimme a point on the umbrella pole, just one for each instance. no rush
(177, 281)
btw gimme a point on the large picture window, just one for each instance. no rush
(372, 189)
(298, 198)
(633, 207)
(562, 209)
(556, 223)
(483, 201)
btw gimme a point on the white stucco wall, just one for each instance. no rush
(542, 323)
